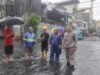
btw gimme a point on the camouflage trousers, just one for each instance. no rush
(70, 55)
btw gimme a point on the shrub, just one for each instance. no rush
(92, 30)
(33, 20)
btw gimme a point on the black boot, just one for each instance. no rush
(57, 64)
(72, 67)
(68, 63)
(51, 62)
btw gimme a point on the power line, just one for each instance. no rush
(86, 5)
(85, 2)
(95, 6)
(90, 3)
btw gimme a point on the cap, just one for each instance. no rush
(44, 27)
(55, 28)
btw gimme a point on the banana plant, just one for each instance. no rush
(33, 20)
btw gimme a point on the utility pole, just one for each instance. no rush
(91, 16)
(30, 7)
(74, 11)
(2, 8)
(75, 7)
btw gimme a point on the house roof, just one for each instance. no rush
(56, 15)
(67, 2)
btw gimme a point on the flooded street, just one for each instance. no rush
(87, 62)
(59, 24)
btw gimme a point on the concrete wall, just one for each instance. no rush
(69, 8)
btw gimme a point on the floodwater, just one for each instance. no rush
(25, 67)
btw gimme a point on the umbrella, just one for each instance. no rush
(11, 21)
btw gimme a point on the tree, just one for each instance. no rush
(27, 6)
(32, 20)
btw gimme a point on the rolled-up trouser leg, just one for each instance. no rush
(72, 58)
(67, 55)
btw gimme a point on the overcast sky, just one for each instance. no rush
(96, 10)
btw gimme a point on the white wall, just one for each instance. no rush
(69, 8)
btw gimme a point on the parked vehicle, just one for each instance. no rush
(78, 33)
(98, 31)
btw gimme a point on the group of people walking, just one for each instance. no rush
(55, 42)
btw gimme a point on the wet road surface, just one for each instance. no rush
(87, 62)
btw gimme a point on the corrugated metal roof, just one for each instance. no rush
(56, 15)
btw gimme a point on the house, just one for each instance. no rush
(83, 18)
(61, 12)
(70, 5)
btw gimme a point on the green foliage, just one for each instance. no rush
(32, 20)
(92, 29)
(2, 14)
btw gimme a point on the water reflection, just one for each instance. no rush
(68, 71)
(26, 67)
(55, 68)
